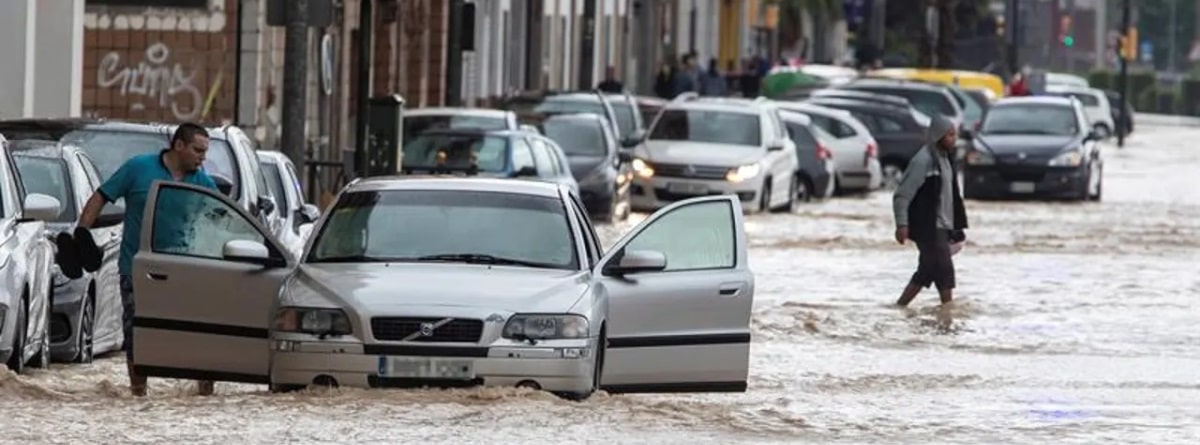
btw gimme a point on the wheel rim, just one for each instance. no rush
(86, 338)
(766, 197)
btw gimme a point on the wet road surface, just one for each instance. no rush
(1075, 323)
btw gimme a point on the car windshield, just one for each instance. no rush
(275, 185)
(110, 149)
(1031, 119)
(577, 137)
(971, 109)
(457, 151)
(625, 119)
(718, 127)
(1087, 100)
(415, 125)
(48, 176)
(447, 226)
(929, 102)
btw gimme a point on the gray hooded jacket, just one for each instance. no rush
(929, 161)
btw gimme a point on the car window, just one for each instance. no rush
(692, 237)
(889, 125)
(192, 223)
(719, 127)
(583, 137)
(275, 184)
(867, 121)
(295, 184)
(844, 130)
(415, 125)
(49, 176)
(929, 102)
(110, 148)
(626, 121)
(522, 155)
(801, 136)
(419, 225)
(457, 151)
(593, 250)
(1031, 119)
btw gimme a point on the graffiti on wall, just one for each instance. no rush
(168, 85)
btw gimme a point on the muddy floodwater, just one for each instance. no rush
(1075, 323)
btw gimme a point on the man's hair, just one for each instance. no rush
(186, 132)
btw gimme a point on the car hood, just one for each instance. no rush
(683, 152)
(1031, 143)
(407, 287)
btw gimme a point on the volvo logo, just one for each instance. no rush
(1021, 156)
(427, 329)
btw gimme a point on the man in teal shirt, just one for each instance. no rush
(132, 181)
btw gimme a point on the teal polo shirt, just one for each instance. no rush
(132, 182)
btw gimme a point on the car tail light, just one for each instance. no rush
(823, 152)
(872, 153)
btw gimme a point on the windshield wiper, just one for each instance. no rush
(480, 258)
(357, 259)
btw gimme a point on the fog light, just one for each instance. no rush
(285, 346)
(571, 352)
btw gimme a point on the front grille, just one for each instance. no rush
(398, 328)
(1022, 173)
(663, 195)
(690, 171)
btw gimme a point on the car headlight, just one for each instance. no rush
(1068, 159)
(642, 168)
(743, 173)
(976, 157)
(541, 327)
(316, 321)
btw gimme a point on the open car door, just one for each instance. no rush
(205, 282)
(680, 293)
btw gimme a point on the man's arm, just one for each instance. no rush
(910, 183)
(91, 210)
(114, 188)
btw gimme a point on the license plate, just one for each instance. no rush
(684, 188)
(1022, 187)
(426, 368)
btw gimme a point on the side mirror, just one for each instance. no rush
(775, 145)
(246, 251)
(525, 171)
(41, 207)
(266, 204)
(634, 139)
(637, 261)
(110, 215)
(223, 184)
(308, 214)
(1093, 136)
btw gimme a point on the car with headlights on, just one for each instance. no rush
(1035, 146)
(713, 146)
(597, 162)
(26, 263)
(85, 313)
(447, 282)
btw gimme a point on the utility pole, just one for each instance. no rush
(1171, 47)
(1123, 81)
(1014, 36)
(587, 46)
(295, 70)
(454, 58)
(365, 33)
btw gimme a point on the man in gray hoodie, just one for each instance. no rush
(929, 210)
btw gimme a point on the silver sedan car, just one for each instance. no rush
(411, 282)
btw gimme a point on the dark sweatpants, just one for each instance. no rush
(935, 265)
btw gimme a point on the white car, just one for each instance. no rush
(26, 264)
(449, 282)
(295, 213)
(1095, 106)
(835, 75)
(854, 149)
(440, 118)
(709, 146)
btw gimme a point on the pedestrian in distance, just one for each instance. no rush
(928, 208)
(181, 162)
(610, 84)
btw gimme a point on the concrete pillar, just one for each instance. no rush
(58, 89)
(17, 42)
(250, 76)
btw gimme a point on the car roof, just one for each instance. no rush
(577, 116)
(271, 156)
(895, 83)
(472, 131)
(56, 128)
(475, 184)
(862, 94)
(471, 111)
(733, 105)
(41, 148)
(1035, 100)
(858, 104)
(793, 115)
(1070, 88)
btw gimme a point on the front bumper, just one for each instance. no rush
(65, 315)
(650, 194)
(558, 365)
(997, 181)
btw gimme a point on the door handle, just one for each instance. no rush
(156, 276)
(730, 289)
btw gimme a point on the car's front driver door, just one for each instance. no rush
(685, 326)
(205, 281)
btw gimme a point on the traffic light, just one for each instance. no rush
(1000, 26)
(1129, 44)
(1065, 34)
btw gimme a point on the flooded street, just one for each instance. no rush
(1074, 323)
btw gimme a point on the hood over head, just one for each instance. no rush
(938, 127)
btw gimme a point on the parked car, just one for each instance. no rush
(230, 159)
(85, 313)
(603, 173)
(437, 118)
(817, 167)
(293, 209)
(900, 132)
(25, 268)
(452, 282)
(1095, 106)
(1114, 100)
(928, 98)
(503, 154)
(537, 105)
(1035, 146)
(710, 146)
(855, 151)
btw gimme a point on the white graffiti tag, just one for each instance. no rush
(153, 79)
